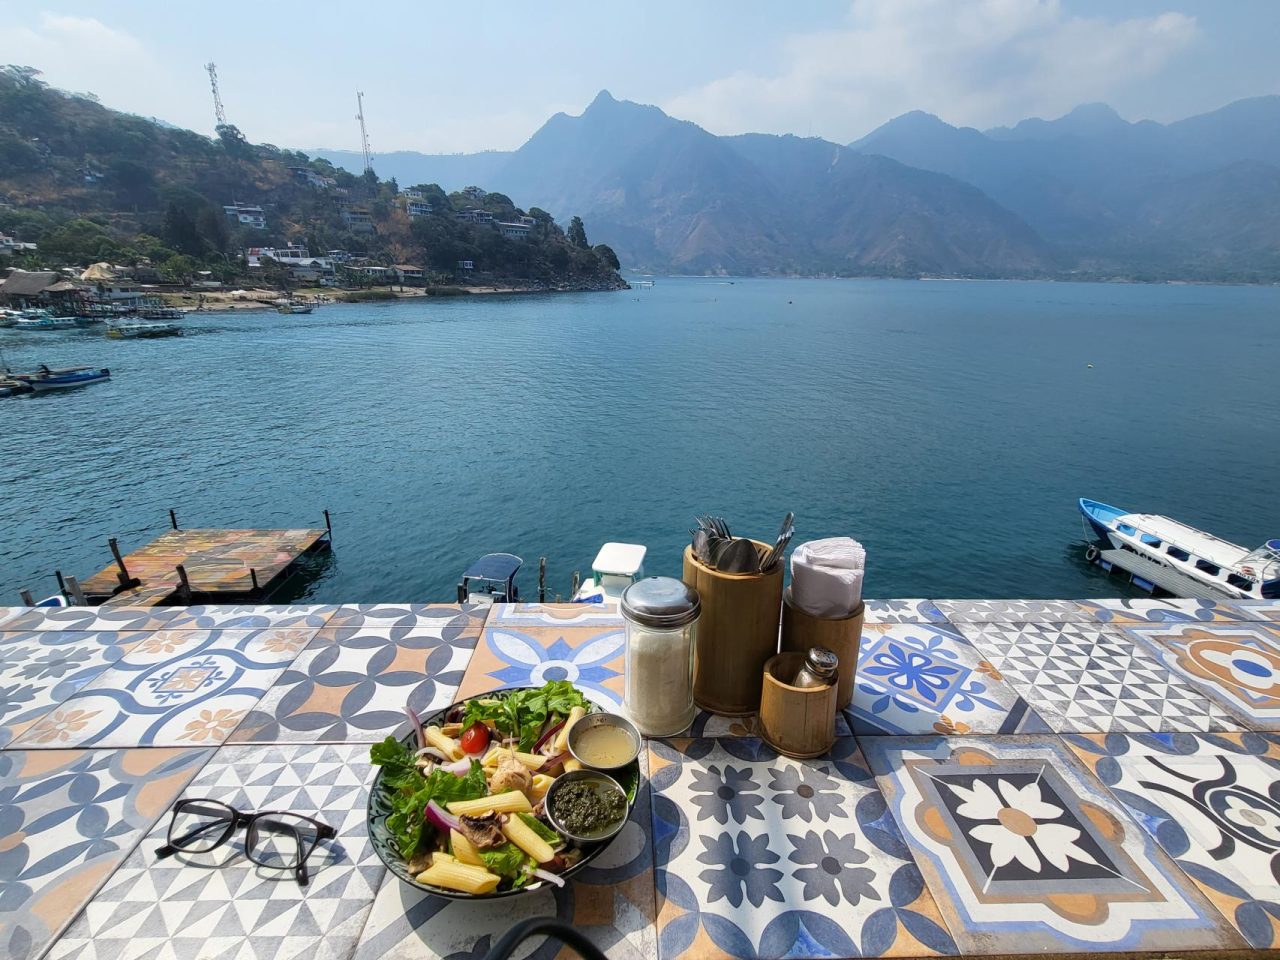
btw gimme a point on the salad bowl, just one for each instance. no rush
(382, 807)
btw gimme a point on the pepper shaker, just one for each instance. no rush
(821, 667)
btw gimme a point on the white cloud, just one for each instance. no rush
(976, 63)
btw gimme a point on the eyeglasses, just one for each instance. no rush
(277, 839)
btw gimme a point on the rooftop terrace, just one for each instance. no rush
(1014, 778)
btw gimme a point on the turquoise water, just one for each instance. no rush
(950, 426)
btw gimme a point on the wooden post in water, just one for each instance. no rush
(253, 578)
(62, 584)
(577, 582)
(173, 518)
(542, 579)
(27, 598)
(328, 524)
(115, 552)
(182, 578)
(77, 595)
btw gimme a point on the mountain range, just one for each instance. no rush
(1087, 195)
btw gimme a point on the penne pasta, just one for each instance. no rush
(464, 850)
(538, 789)
(562, 738)
(522, 835)
(459, 876)
(441, 857)
(571, 764)
(446, 745)
(532, 761)
(513, 801)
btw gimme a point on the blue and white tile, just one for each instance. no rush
(174, 688)
(926, 678)
(1027, 854)
(1151, 610)
(1212, 802)
(68, 818)
(758, 855)
(592, 658)
(218, 904)
(118, 619)
(555, 615)
(611, 901)
(227, 616)
(902, 611)
(1259, 609)
(1089, 678)
(39, 669)
(1010, 611)
(401, 619)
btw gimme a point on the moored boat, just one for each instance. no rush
(293, 306)
(45, 379)
(1162, 554)
(129, 329)
(12, 386)
(44, 320)
(616, 567)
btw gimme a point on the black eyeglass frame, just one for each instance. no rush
(234, 820)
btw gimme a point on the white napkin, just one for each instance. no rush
(826, 577)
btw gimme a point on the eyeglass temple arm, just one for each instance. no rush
(169, 849)
(549, 926)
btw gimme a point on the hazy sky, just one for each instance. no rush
(460, 77)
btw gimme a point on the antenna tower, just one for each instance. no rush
(217, 97)
(364, 134)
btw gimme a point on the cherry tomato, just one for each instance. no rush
(475, 738)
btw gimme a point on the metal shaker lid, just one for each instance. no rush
(822, 662)
(661, 602)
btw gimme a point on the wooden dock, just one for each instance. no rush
(203, 566)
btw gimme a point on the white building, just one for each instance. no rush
(10, 246)
(514, 231)
(474, 215)
(246, 215)
(358, 221)
(417, 208)
(302, 265)
(413, 193)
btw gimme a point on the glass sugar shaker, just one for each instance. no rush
(821, 667)
(661, 616)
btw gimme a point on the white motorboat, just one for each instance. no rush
(129, 329)
(44, 320)
(616, 567)
(1162, 554)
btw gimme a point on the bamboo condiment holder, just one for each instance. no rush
(737, 633)
(795, 721)
(800, 631)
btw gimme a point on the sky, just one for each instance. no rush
(454, 78)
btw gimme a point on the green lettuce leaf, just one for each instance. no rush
(407, 821)
(505, 860)
(540, 828)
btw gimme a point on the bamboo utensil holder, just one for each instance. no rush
(800, 631)
(737, 633)
(795, 721)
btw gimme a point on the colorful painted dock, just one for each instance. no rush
(212, 565)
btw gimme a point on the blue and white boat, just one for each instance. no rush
(44, 320)
(1162, 554)
(45, 379)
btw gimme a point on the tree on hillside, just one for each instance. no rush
(213, 229)
(607, 256)
(78, 242)
(179, 231)
(577, 233)
(233, 141)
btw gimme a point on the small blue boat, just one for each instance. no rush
(46, 379)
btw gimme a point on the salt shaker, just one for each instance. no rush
(661, 615)
(821, 667)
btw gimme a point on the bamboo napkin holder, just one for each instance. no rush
(800, 631)
(795, 721)
(737, 633)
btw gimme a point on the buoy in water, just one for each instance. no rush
(1091, 366)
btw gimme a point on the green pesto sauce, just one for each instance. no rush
(585, 808)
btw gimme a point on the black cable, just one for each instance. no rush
(551, 927)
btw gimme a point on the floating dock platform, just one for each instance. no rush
(208, 566)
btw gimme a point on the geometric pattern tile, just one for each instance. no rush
(403, 617)
(1026, 853)
(1258, 609)
(9, 613)
(1238, 664)
(232, 617)
(1087, 678)
(93, 618)
(758, 855)
(555, 615)
(611, 901)
(67, 819)
(926, 678)
(1010, 611)
(1213, 803)
(218, 904)
(352, 683)
(41, 668)
(175, 688)
(1148, 610)
(589, 657)
(902, 611)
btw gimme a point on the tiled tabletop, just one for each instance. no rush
(1015, 777)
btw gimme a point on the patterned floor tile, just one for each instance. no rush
(10, 613)
(1160, 611)
(926, 678)
(94, 618)
(1026, 853)
(1213, 803)
(591, 657)
(232, 617)
(218, 904)
(39, 669)
(611, 901)
(1258, 609)
(902, 611)
(352, 684)
(1009, 611)
(1086, 678)
(555, 615)
(1238, 665)
(175, 688)
(68, 818)
(403, 616)
(758, 855)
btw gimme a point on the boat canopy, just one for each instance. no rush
(494, 566)
(1199, 544)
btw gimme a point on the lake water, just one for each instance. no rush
(950, 426)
